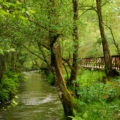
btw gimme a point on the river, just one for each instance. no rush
(37, 100)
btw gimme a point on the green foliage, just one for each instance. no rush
(66, 77)
(21, 77)
(87, 77)
(9, 85)
(100, 111)
(11, 9)
(18, 27)
(98, 92)
(97, 101)
(51, 79)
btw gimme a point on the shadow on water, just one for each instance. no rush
(36, 101)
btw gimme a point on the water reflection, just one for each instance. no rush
(37, 101)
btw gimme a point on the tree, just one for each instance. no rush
(114, 40)
(75, 42)
(57, 67)
(106, 51)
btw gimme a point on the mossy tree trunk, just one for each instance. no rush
(56, 63)
(106, 51)
(64, 95)
(75, 42)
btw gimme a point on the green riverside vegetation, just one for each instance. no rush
(75, 43)
(97, 100)
(9, 86)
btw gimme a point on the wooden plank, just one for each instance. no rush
(98, 62)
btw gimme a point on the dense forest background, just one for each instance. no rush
(55, 35)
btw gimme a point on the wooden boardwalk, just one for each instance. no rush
(98, 62)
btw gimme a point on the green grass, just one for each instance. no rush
(87, 77)
(97, 101)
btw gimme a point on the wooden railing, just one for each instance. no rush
(98, 62)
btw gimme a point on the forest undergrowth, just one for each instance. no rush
(99, 98)
(9, 87)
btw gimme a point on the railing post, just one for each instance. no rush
(119, 63)
(99, 63)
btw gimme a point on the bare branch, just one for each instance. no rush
(33, 53)
(45, 46)
(115, 43)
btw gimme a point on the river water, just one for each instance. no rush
(37, 100)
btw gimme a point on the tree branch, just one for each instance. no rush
(33, 53)
(115, 43)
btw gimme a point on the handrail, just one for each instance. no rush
(98, 62)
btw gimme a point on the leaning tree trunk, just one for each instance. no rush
(56, 64)
(75, 42)
(106, 51)
(64, 95)
(114, 41)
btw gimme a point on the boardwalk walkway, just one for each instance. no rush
(98, 62)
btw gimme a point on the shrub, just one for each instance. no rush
(51, 79)
(97, 101)
(8, 86)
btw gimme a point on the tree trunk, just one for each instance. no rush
(44, 56)
(2, 67)
(51, 47)
(57, 66)
(114, 41)
(75, 42)
(12, 67)
(106, 51)
(64, 95)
